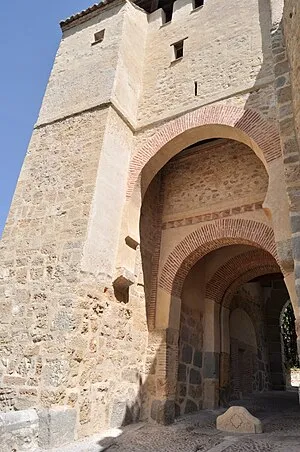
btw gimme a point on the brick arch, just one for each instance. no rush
(236, 267)
(247, 126)
(261, 270)
(208, 238)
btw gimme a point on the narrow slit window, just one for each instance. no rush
(198, 3)
(178, 50)
(98, 37)
(196, 88)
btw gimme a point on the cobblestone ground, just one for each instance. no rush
(279, 412)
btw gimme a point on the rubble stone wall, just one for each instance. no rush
(189, 387)
(223, 64)
(63, 331)
(292, 36)
(221, 176)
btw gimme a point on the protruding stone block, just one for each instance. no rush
(19, 430)
(123, 279)
(237, 419)
(131, 242)
(57, 426)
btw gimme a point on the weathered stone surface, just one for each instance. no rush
(211, 365)
(187, 353)
(197, 361)
(190, 359)
(195, 377)
(237, 419)
(182, 372)
(120, 414)
(163, 411)
(56, 426)
(190, 406)
(19, 430)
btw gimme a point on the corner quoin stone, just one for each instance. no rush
(238, 420)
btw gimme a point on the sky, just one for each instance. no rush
(29, 38)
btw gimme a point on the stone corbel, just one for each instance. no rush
(123, 279)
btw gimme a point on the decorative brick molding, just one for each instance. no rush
(264, 269)
(234, 269)
(213, 215)
(208, 238)
(262, 133)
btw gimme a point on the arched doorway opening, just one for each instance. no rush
(208, 198)
(289, 351)
(223, 352)
(262, 298)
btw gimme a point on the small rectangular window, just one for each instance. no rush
(198, 3)
(178, 50)
(98, 37)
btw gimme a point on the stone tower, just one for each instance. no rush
(162, 176)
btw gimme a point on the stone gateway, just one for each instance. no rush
(153, 238)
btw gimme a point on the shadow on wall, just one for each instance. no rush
(261, 99)
(124, 414)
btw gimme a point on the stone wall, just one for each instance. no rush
(189, 386)
(66, 335)
(224, 59)
(292, 36)
(19, 431)
(210, 178)
(41, 250)
(256, 372)
(86, 76)
(63, 331)
(83, 75)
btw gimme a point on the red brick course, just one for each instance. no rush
(213, 215)
(232, 270)
(263, 133)
(210, 237)
(261, 270)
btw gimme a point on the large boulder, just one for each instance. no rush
(237, 419)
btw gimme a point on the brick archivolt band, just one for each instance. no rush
(263, 133)
(208, 238)
(246, 277)
(234, 269)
